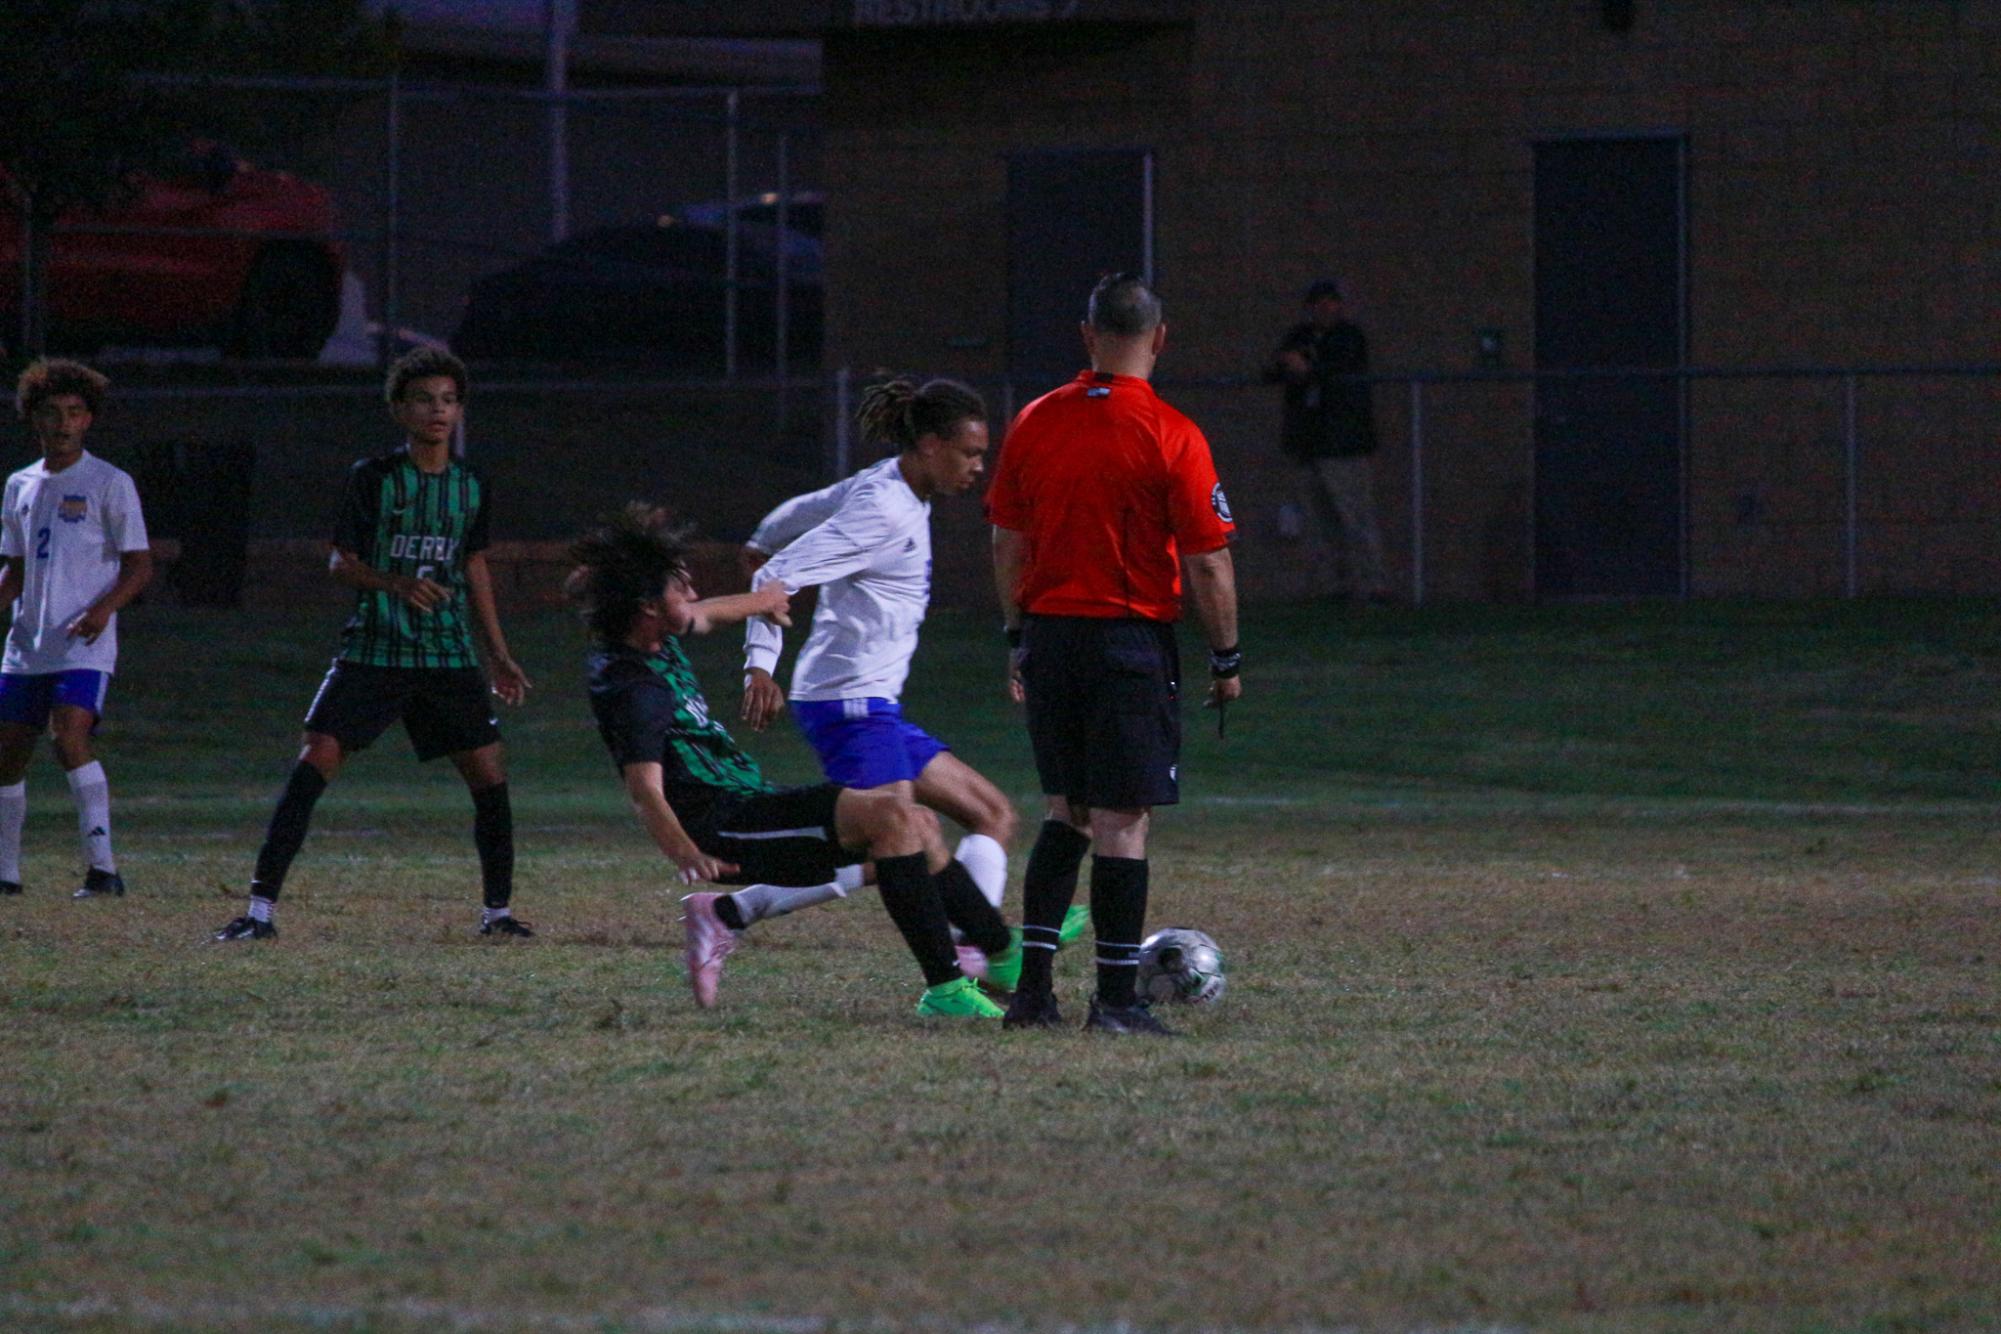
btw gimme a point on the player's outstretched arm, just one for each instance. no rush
(510, 683)
(1211, 579)
(349, 568)
(649, 803)
(733, 608)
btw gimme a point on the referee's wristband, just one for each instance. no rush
(1225, 662)
(1013, 633)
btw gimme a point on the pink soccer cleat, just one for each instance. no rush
(709, 943)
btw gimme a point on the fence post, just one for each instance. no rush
(781, 301)
(1851, 581)
(557, 18)
(843, 390)
(730, 102)
(393, 210)
(1416, 493)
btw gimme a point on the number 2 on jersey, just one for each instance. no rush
(41, 544)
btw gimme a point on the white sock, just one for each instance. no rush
(757, 902)
(260, 909)
(986, 861)
(13, 814)
(92, 792)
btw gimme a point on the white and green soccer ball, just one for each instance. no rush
(1183, 966)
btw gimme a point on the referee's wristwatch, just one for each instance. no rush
(1225, 662)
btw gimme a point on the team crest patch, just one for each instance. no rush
(72, 509)
(1099, 391)
(1221, 504)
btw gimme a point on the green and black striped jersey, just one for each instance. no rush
(650, 710)
(401, 520)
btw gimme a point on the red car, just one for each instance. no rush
(215, 252)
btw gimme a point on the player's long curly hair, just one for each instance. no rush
(899, 412)
(49, 376)
(623, 561)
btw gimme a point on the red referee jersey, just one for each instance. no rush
(1109, 487)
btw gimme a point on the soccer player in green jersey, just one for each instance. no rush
(411, 540)
(704, 802)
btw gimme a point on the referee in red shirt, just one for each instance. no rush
(1103, 499)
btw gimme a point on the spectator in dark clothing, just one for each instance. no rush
(1330, 433)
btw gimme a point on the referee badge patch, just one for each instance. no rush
(1221, 504)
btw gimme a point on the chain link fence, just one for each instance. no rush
(673, 231)
(1795, 483)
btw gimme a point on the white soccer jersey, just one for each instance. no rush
(871, 558)
(67, 529)
(795, 517)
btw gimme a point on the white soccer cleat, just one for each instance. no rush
(709, 943)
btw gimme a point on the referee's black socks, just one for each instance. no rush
(1118, 915)
(493, 835)
(907, 891)
(286, 833)
(1048, 886)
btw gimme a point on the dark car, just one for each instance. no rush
(651, 295)
(214, 251)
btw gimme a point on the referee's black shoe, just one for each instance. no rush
(100, 884)
(1032, 1009)
(506, 926)
(1134, 1018)
(246, 928)
(10, 887)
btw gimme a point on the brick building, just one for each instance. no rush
(1503, 186)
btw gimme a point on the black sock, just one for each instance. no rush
(493, 835)
(907, 891)
(1047, 889)
(1118, 917)
(729, 914)
(966, 908)
(287, 831)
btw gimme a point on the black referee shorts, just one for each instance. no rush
(1104, 709)
(776, 838)
(445, 710)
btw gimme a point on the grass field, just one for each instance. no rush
(1602, 969)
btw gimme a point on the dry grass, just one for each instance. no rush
(1490, 1060)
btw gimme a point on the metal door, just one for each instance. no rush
(1072, 217)
(1609, 291)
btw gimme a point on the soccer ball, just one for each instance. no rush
(1183, 965)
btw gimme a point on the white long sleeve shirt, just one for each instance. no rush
(866, 543)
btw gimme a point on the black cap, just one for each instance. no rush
(1324, 287)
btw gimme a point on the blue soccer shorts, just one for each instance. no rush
(864, 743)
(28, 699)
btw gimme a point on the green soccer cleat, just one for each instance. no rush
(1004, 969)
(958, 999)
(1075, 923)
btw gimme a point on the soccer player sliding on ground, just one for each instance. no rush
(704, 802)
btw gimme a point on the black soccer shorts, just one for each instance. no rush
(1104, 709)
(776, 838)
(445, 710)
